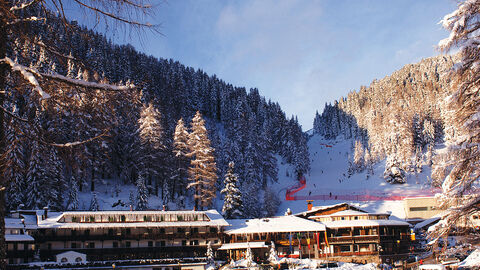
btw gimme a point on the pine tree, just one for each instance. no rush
(358, 157)
(209, 254)
(272, 256)
(458, 166)
(202, 171)
(73, 194)
(181, 150)
(271, 202)
(232, 202)
(142, 194)
(152, 146)
(249, 257)
(131, 200)
(35, 179)
(94, 206)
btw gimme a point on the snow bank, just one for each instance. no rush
(472, 260)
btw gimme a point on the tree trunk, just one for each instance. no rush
(3, 181)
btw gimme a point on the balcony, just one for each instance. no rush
(135, 237)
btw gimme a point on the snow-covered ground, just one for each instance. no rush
(329, 166)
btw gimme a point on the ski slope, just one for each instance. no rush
(328, 182)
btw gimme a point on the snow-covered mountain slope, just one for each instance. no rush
(328, 179)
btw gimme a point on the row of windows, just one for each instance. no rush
(422, 208)
(128, 231)
(161, 217)
(128, 244)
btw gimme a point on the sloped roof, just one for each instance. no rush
(273, 225)
(243, 245)
(316, 209)
(18, 238)
(364, 223)
(54, 218)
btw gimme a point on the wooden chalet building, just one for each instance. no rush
(355, 235)
(128, 235)
(292, 236)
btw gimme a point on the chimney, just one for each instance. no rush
(45, 212)
(309, 205)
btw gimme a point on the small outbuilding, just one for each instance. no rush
(71, 257)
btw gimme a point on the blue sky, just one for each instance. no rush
(301, 53)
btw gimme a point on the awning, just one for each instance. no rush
(243, 245)
(18, 238)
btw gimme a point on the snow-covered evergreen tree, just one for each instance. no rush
(271, 202)
(202, 171)
(248, 257)
(142, 194)
(180, 150)
(358, 157)
(209, 254)
(272, 255)
(457, 166)
(152, 145)
(232, 201)
(94, 206)
(131, 200)
(73, 194)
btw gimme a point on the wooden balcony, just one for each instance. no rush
(120, 237)
(354, 239)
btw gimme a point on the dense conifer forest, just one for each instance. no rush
(140, 130)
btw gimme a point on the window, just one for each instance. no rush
(475, 217)
(344, 248)
(74, 233)
(115, 244)
(87, 232)
(162, 243)
(128, 244)
(73, 245)
(181, 230)
(147, 218)
(413, 209)
(179, 218)
(74, 219)
(91, 245)
(213, 230)
(356, 217)
(194, 243)
(110, 232)
(122, 218)
(128, 231)
(91, 219)
(184, 242)
(150, 243)
(162, 230)
(194, 230)
(49, 246)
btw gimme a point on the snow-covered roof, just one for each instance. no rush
(243, 245)
(18, 238)
(57, 219)
(364, 223)
(426, 222)
(13, 223)
(325, 207)
(273, 225)
(71, 257)
(351, 213)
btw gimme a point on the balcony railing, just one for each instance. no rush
(137, 237)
